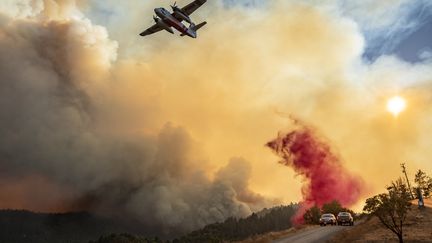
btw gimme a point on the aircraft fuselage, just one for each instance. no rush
(170, 20)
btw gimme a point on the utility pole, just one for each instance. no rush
(406, 176)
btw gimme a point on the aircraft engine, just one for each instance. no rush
(163, 25)
(180, 14)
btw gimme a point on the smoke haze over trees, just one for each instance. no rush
(24, 227)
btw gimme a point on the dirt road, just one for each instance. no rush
(317, 234)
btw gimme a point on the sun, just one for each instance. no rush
(396, 105)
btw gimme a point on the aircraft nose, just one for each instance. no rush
(192, 34)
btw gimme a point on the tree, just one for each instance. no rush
(233, 229)
(429, 188)
(312, 215)
(333, 207)
(424, 182)
(125, 238)
(391, 208)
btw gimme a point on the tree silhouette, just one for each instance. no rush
(312, 215)
(333, 207)
(424, 182)
(391, 208)
(232, 229)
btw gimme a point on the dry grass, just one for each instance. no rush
(418, 229)
(269, 237)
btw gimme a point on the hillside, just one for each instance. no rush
(418, 229)
(24, 227)
(232, 229)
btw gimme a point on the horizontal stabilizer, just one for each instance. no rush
(199, 26)
(196, 27)
(144, 33)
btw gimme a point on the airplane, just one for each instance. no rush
(166, 20)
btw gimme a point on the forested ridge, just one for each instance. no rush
(21, 226)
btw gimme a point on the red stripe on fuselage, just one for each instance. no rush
(169, 19)
(176, 24)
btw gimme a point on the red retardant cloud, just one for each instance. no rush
(326, 179)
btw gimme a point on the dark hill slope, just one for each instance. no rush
(24, 227)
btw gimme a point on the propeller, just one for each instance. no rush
(174, 6)
(155, 18)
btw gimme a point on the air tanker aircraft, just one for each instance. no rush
(166, 20)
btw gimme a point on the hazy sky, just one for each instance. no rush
(100, 118)
(407, 34)
(388, 36)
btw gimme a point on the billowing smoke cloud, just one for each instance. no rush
(325, 177)
(61, 149)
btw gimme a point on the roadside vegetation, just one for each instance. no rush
(312, 215)
(396, 214)
(391, 208)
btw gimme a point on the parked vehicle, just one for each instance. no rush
(345, 218)
(327, 218)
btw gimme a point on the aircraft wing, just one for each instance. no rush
(155, 28)
(191, 7)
